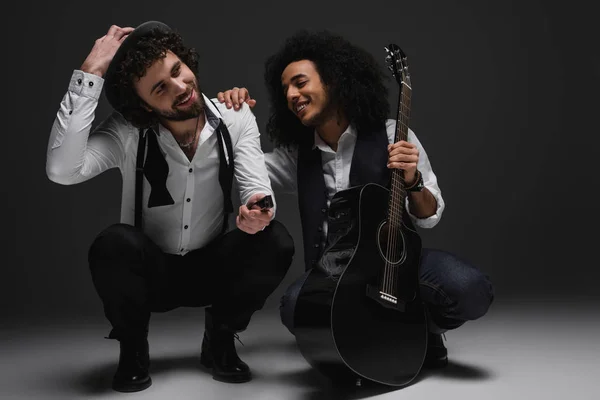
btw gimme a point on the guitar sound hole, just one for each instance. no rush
(391, 243)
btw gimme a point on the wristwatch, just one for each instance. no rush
(418, 185)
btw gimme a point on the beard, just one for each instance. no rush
(327, 112)
(193, 111)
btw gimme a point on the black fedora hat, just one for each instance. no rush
(111, 87)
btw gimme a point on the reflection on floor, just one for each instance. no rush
(519, 350)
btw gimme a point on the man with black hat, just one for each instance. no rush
(178, 153)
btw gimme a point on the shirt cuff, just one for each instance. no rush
(87, 85)
(428, 222)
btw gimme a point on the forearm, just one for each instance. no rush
(250, 169)
(74, 153)
(422, 204)
(71, 128)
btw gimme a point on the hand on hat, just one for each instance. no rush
(104, 50)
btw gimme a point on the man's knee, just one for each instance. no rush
(280, 242)
(477, 295)
(116, 241)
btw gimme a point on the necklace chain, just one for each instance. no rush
(185, 145)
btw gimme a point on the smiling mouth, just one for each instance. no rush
(299, 107)
(186, 100)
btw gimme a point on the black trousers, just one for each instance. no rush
(235, 274)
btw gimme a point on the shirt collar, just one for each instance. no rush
(323, 146)
(212, 113)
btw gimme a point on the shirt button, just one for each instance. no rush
(188, 199)
(185, 227)
(190, 170)
(91, 84)
(79, 81)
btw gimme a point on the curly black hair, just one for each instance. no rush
(353, 79)
(136, 62)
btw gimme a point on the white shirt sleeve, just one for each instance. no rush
(429, 178)
(282, 165)
(249, 170)
(74, 154)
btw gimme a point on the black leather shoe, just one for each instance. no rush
(219, 354)
(437, 354)
(134, 361)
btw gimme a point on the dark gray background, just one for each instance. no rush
(504, 101)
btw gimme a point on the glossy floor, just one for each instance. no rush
(520, 350)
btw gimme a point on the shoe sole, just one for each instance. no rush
(130, 388)
(437, 363)
(224, 378)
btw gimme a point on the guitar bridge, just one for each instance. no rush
(385, 299)
(388, 297)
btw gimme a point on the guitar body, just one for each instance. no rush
(340, 330)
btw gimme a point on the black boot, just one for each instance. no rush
(437, 354)
(132, 374)
(219, 354)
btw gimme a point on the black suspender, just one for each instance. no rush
(139, 179)
(225, 170)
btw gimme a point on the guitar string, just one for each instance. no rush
(391, 242)
(396, 209)
(401, 205)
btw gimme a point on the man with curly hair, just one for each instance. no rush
(178, 153)
(328, 118)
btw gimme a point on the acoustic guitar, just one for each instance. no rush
(367, 321)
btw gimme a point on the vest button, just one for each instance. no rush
(323, 210)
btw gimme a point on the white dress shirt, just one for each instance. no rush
(282, 167)
(76, 155)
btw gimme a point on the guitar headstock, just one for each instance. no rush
(396, 61)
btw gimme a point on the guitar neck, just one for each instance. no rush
(398, 192)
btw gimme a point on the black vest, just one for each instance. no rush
(369, 165)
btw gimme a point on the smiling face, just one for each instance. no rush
(170, 89)
(305, 93)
